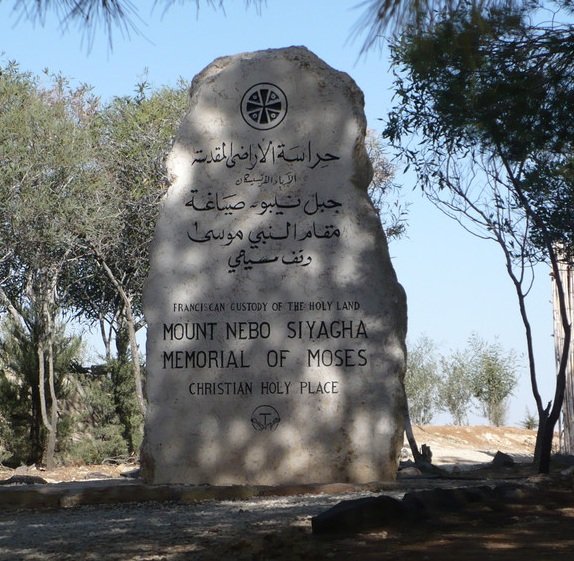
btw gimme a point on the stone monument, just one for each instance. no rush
(276, 325)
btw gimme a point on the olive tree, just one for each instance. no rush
(422, 380)
(494, 377)
(468, 87)
(456, 385)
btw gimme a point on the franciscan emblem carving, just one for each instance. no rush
(265, 417)
(264, 106)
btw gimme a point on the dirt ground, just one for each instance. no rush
(453, 447)
(535, 525)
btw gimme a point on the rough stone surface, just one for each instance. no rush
(502, 459)
(276, 324)
(359, 515)
(432, 500)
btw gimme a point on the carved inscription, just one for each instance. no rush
(286, 220)
(259, 215)
(264, 214)
(334, 343)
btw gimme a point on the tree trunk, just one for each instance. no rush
(127, 304)
(106, 339)
(563, 358)
(42, 385)
(135, 357)
(567, 279)
(36, 448)
(546, 447)
(417, 456)
(542, 419)
(561, 291)
(122, 340)
(53, 430)
(46, 295)
(48, 457)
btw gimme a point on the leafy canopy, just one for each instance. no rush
(497, 89)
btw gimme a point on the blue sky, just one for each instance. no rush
(456, 284)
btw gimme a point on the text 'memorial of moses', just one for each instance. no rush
(276, 325)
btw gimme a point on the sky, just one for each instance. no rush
(456, 284)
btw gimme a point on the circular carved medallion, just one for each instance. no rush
(265, 417)
(264, 106)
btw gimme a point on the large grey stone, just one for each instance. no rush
(502, 460)
(276, 324)
(359, 515)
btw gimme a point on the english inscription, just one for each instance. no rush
(303, 330)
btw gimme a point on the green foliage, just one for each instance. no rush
(488, 96)
(99, 417)
(104, 443)
(469, 87)
(48, 178)
(133, 137)
(384, 194)
(530, 422)
(97, 430)
(125, 404)
(89, 180)
(422, 381)
(482, 374)
(493, 378)
(15, 419)
(53, 199)
(20, 427)
(456, 386)
(5, 435)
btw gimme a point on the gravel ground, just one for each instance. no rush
(211, 530)
(535, 525)
(262, 529)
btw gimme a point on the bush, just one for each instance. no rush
(96, 431)
(530, 421)
(103, 444)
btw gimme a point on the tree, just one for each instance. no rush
(133, 136)
(422, 381)
(52, 198)
(99, 432)
(493, 377)
(136, 136)
(19, 386)
(456, 386)
(383, 192)
(19, 393)
(482, 371)
(468, 87)
(382, 18)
